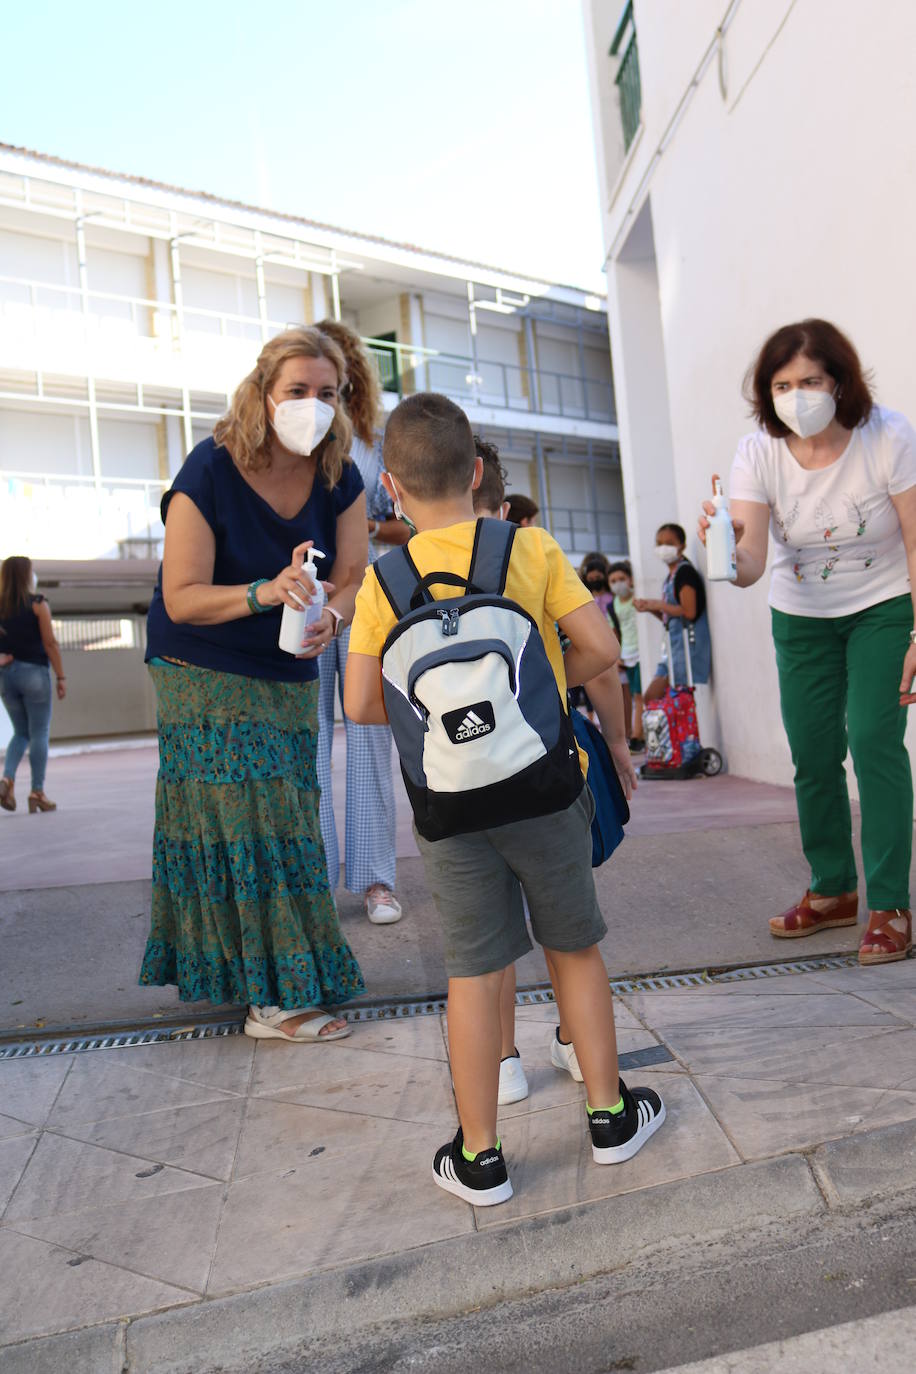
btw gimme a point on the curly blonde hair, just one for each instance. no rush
(364, 399)
(245, 428)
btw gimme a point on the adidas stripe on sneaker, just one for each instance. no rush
(618, 1136)
(483, 1182)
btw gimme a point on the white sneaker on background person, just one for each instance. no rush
(513, 1085)
(382, 906)
(564, 1056)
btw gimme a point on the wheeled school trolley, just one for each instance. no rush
(673, 748)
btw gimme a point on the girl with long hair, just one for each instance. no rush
(28, 650)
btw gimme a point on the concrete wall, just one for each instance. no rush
(773, 197)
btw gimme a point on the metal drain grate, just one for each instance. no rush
(31, 1048)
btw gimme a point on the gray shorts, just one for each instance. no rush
(477, 882)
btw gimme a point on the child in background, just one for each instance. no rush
(620, 581)
(522, 510)
(477, 878)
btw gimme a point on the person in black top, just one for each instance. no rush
(27, 646)
(682, 606)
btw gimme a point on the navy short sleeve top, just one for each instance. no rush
(252, 541)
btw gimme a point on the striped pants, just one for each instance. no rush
(370, 818)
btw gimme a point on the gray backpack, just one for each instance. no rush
(471, 697)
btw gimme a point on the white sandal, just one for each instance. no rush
(264, 1023)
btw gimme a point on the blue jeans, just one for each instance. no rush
(25, 689)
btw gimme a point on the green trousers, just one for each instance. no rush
(839, 684)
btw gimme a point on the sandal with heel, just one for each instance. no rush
(803, 919)
(884, 942)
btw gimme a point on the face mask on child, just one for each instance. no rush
(667, 553)
(621, 588)
(398, 508)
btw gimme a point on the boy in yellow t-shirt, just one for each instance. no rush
(477, 879)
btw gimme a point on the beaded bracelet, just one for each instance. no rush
(251, 597)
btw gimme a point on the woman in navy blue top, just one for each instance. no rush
(241, 910)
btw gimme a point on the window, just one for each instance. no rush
(623, 47)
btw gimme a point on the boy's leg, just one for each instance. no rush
(474, 1044)
(585, 995)
(507, 1012)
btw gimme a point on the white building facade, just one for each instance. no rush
(129, 311)
(757, 165)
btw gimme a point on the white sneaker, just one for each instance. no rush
(513, 1085)
(564, 1056)
(382, 906)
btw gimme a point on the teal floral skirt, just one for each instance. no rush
(241, 909)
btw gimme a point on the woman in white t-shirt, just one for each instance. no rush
(832, 476)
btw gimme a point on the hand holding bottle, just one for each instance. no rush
(709, 511)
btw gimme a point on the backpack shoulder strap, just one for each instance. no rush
(398, 578)
(493, 540)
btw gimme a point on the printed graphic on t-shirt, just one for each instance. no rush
(785, 522)
(855, 510)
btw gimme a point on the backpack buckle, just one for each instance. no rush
(450, 621)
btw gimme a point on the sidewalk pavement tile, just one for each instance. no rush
(372, 1084)
(10, 1126)
(222, 1062)
(304, 1219)
(768, 1117)
(717, 1012)
(846, 1056)
(14, 1156)
(288, 1135)
(277, 1066)
(47, 1289)
(550, 1157)
(884, 978)
(900, 1001)
(420, 1037)
(864, 1166)
(70, 1176)
(202, 1139)
(547, 1011)
(170, 1238)
(28, 1087)
(100, 1087)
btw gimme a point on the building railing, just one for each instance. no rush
(579, 530)
(627, 79)
(110, 317)
(55, 515)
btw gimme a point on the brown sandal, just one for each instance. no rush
(804, 920)
(892, 943)
(7, 800)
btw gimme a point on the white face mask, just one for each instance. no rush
(621, 589)
(667, 553)
(301, 425)
(805, 412)
(398, 508)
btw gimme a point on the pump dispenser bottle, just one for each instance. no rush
(721, 550)
(293, 623)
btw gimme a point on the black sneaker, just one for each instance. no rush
(483, 1182)
(617, 1137)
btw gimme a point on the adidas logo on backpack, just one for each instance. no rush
(471, 697)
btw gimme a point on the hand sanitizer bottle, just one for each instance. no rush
(293, 623)
(721, 550)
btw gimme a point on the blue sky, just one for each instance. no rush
(463, 126)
